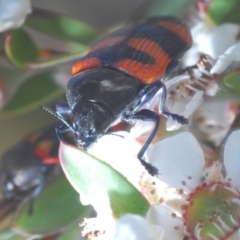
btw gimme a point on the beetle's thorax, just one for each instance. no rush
(110, 88)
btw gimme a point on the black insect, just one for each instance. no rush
(120, 73)
(28, 165)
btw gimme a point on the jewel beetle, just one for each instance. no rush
(26, 166)
(120, 73)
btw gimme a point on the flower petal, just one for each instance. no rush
(101, 204)
(230, 55)
(189, 108)
(212, 120)
(180, 161)
(162, 217)
(231, 158)
(132, 227)
(121, 154)
(209, 38)
(13, 13)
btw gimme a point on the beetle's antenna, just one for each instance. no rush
(48, 110)
(59, 117)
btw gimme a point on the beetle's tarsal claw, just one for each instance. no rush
(176, 117)
(150, 168)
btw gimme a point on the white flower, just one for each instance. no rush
(153, 227)
(231, 159)
(180, 161)
(13, 13)
(209, 39)
(156, 225)
(181, 164)
(121, 153)
(182, 180)
(133, 227)
(212, 121)
(224, 60)
(182, 99)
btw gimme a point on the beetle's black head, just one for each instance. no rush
(21, 171)
(90, 120)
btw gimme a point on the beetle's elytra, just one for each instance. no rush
(119, 74)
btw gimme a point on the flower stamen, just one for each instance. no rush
(233, 190)
(213, 187)
(218, 228)
(233, 220)
(197, 231)
(213, 237)
(223, 224)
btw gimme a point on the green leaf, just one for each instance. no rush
(36, 91)
(8, 234)
(20, 48)
(2, 41)
(222, 11)
(56, 60)
(55, 208)
(10, 79)
(169, 7)
(61, 27)
(232, 81)
(84, 170)
(72, 233)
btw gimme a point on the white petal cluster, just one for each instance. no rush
(13, 13)
(209, 39)
(181, 163)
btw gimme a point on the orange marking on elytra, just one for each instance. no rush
(146, 72)
(42, 151)
(85, 64)
(181, 31)
(51, 160)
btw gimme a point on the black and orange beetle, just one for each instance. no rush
(26, 166)
(119, 74)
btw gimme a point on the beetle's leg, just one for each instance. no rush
(144, 96)
(60, 129)
(34, 194)
(147, 93)
(175, 117)
(188, 68)
(146, 115)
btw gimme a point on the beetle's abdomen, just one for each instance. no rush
(111, 87)
(144, 50)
